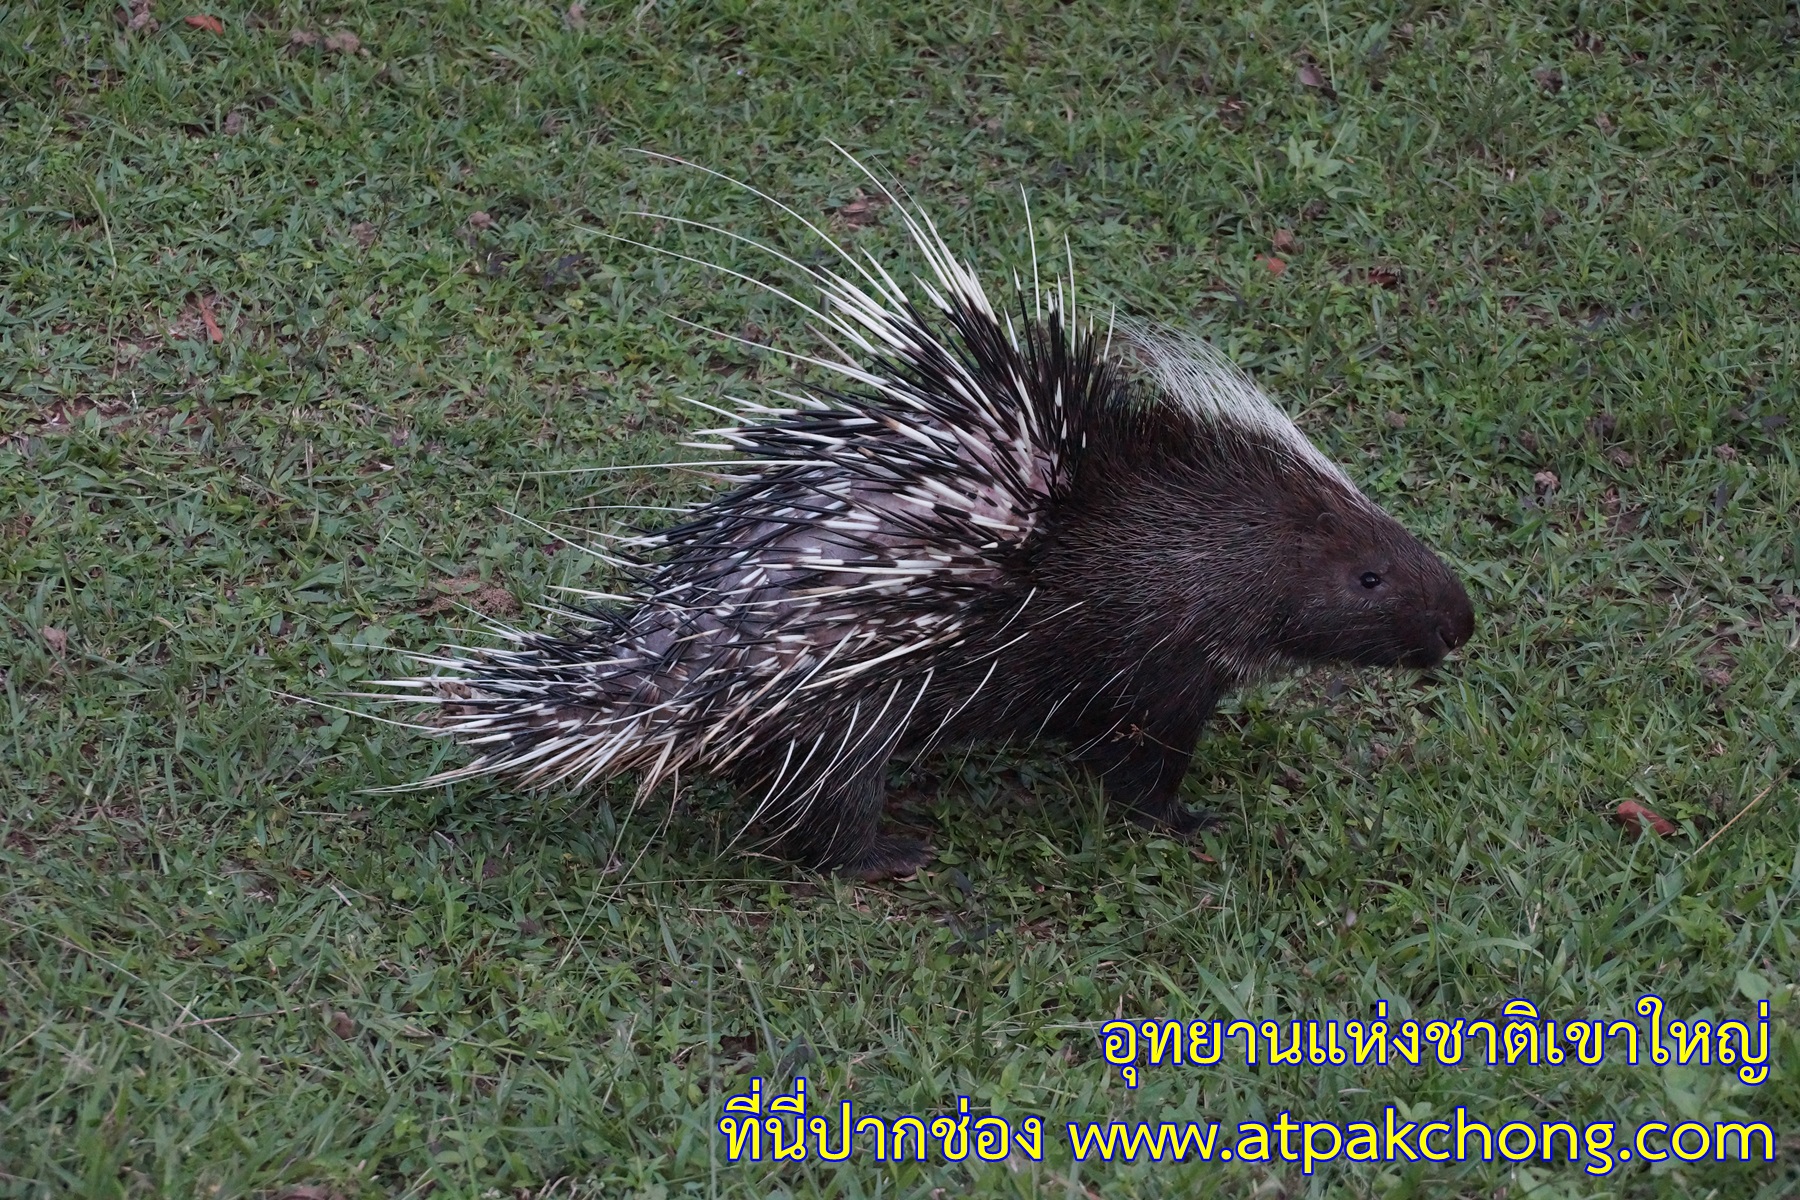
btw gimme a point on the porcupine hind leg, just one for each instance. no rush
(842, 832)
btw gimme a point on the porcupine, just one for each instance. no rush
(996, 524)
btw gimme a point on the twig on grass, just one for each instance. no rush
(1781, 775)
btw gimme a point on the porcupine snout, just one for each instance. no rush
(1445, 624)
(1456, 623)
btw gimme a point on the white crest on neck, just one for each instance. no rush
(1193, 375)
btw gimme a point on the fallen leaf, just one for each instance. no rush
(1283, 240)
(1385, 277)
(343, 1024)
(140, 17)
(480, 220)
(303, 37)
(1549, 78)
(209, 23)
(1310, 76)
(859, 211)
(214, 334)
(1275, 265)
(1717, 678)
(1726, 453)
(576, 17)
(364, 233)
(1546, 481)
(56, 639)
(1635, 816)
(1396, 420)
(1621, 457)
(343, 42)
(1204, 857)
(234, 122)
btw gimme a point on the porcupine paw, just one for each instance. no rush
(887, 858)
(1170, 815)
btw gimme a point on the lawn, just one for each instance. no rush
(311, 317)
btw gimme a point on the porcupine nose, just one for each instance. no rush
(1456, 619)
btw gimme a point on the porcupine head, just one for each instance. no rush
(1000, 523)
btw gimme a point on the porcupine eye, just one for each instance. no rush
(1371, 580)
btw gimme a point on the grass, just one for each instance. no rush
(1541, 265)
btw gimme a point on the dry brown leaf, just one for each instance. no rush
(214, 334)
(343, 42)
(207, 22)
(56, 639)
(1636, 817)
(859, 211)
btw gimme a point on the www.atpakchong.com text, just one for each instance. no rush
(1599, 1147)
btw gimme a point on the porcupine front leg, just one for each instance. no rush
(1141, 765)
